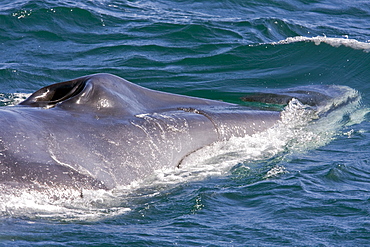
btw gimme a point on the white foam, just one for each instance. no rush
(11, 99)
(60, 204)
(335, 42)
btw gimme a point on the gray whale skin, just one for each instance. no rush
(101, 131)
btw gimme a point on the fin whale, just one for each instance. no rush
(101, 131)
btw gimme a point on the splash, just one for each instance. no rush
(335, 42)
(301, 128)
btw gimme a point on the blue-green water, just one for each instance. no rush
(305, 187)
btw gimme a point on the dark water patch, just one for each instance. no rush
(207, 51)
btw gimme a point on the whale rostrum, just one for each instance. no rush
(101, 131)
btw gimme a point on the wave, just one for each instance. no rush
(335, 42)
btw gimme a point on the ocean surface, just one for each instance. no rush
(304, 183)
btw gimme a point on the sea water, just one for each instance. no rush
(304, 182)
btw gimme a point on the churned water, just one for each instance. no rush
(302, 183)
